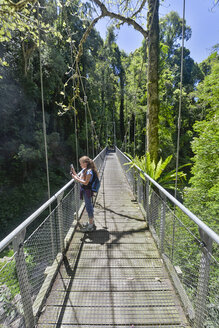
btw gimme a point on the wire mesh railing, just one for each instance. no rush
(34, 255)
(189, 247)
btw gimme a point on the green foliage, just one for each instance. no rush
(171, 31)
(207, 91)
(169, 88)
(157, 171)
(8, 273)
(203, 194)
(135, 101)
(22, 154)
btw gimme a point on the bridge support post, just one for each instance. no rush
(76, 192)
(148, 202)
(203, 281)
(162, 223)
(60, 220)
(139, 190)
(134, 182)
(23, 279)
(51, 223)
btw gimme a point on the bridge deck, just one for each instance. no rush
(114, 277)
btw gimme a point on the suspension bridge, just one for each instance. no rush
(144, 266)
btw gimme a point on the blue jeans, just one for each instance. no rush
(88, 204)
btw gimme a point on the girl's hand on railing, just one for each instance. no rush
(74, 176)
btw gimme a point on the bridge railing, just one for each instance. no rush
(188, 247)
(36, 248)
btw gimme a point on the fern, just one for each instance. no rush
(157, 171)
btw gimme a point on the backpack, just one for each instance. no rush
(95, 184)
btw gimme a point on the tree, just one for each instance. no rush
(152, 88)
(203, 194)
(23, 178)
(171, 32)
(135, 101)
(170, 74)
(126, 15)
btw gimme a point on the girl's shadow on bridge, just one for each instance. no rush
(100, 236)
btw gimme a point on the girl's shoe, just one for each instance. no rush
(89, 228)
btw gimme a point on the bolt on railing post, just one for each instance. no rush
(60, 221)
(203, 281)
(162, 223)
(23, 279)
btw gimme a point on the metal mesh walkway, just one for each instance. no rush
(114, 276)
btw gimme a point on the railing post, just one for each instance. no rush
(162, 223)
(133, 182)
(51, 233)
(138, 190)
(23, 279)
(148, 202)
(76, 191)
(141, 184)
(203, 281)
(60, 221)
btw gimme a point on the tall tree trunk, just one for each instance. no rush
(152, 87)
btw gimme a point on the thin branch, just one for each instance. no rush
(140, 8)
(85, 35)
(129, 21)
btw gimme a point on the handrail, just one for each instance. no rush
(8, 239)
(201, 225)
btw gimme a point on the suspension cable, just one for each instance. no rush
(43, 109)
(94, 134)
(180, 100)
(179, 126)
(86, 126)
(75, 126)
(73, 91)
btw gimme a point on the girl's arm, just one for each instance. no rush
(81, 180)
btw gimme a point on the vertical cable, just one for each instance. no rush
(43, 109)
(179, 125)
(92, 137)
(73, 86)
(75, 116)
(85, 107)
(45, 139)
(76, 133)
(94, 134)
(180, 99)
(134, 128)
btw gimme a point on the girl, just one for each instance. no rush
(85, 179)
